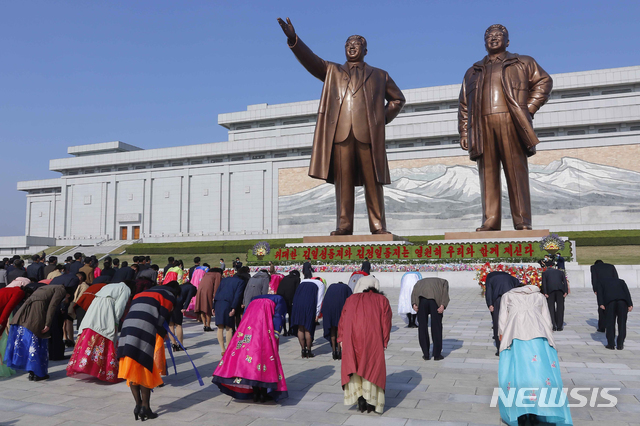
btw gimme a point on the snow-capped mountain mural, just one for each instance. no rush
(437, 198)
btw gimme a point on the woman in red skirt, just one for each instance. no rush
(95, 351)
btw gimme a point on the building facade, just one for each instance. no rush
(586, 175)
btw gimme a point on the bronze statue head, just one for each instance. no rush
(355, 48)
(496, 38)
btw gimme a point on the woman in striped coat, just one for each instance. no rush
(141, 344)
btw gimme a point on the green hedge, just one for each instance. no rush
(604, 238)
(585, 238)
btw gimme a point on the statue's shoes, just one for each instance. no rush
(380, 232)
(521, 227)
(486, 228)
(341, 232)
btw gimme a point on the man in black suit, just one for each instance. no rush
(307, 269)
(497, 284)
(35, 271)
(600, 273)
(74, 267)
(615, 300)
(16, 271)
(170, 261)
(366, 266)
(555, 289)
(124, 273)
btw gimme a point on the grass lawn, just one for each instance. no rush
(617, 255)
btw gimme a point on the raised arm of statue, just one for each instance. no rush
(312, 62)
(289, 31)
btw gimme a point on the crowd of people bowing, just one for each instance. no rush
(126, 314)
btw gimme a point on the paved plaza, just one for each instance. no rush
(455, 391)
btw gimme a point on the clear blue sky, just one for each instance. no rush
(157, 74)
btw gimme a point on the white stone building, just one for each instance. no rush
(255, 183)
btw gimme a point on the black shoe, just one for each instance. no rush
(560, 328)
(610, 347)
(310, 354)
(32, 375)
(256, 394)
(304, 353)
(362, 404)
(620, 347)
(555, 328)
(146, 413)
(339, 353)
(426, 358)
(438, 357)
(136, 411)
(370, 408)
(600, 330)
(497, 353)
(38, 378)
(175, 347)
(263, 396)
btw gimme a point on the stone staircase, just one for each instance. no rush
(103, 249)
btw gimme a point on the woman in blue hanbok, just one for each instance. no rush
(528, 359)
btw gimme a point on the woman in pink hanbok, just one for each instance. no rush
(251, 366)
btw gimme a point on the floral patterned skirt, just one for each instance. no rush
(94, 355)
(26, 351)
(532, 364)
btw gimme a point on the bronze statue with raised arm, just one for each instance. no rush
(499, 96)
(349, 143)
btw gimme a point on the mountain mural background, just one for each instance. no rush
(570, 194)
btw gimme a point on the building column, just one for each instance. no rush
(27, 227)
(146, 209)
(185, 190)
(225, 198)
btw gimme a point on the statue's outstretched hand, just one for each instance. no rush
(289, 31)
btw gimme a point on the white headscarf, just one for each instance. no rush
(366, 282)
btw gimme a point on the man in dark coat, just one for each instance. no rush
(307, 269)
(287, 289)
(600, 273)
(75, 266)
(227, 302)
(555, 289)
(52, 263)
(349, 149)
(16, 271)
(170, 261)
(125, 273)
(35, 271)
(366, 266)
(614, 298)
(497, 284)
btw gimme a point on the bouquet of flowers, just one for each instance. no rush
(551, 243)
(529, 275)
(261, 248)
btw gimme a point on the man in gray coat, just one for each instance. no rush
(256, 286)
(430, 297)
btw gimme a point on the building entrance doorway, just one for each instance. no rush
(123, 233)
(136, 232)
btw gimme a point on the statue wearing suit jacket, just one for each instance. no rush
(349, 141)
